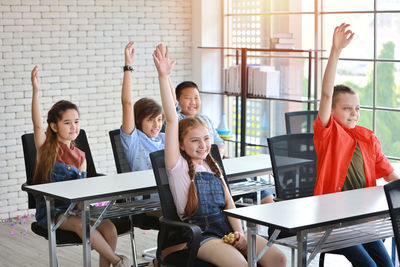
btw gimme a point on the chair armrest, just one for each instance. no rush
(23, 186)
(194, 231)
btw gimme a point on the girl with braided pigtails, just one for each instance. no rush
(197, 186)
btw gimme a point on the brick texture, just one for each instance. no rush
(78, 46)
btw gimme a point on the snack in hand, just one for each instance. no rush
(229, 238)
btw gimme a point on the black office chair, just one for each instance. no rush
(392, 192)
(300, 121)
(171, 227)
(294, 162)
(294, 166)
(142, 221)
(121, 162)
(63, 238)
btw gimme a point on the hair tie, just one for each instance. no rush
(192, 180)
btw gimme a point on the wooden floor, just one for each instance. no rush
(20, 247)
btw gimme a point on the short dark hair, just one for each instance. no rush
(183, 85)
(145, 107)
(341, 89)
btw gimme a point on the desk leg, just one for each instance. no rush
(251, 244)
(86, 234)
(301, 249)
(51, 232)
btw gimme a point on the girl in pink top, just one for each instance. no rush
(196, 183)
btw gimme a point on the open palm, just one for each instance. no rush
(342, 37)
(35, 78)
(161, 60)
(129, 53)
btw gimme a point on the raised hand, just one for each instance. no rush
(342, 37)
(38, 130)
(128, 118)
(35, 79)
(129, 53)
(161, 60)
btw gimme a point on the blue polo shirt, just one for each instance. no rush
(137, 147)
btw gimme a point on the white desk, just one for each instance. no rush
(320, 214)
(247, 166)
(118, 186)
(90, 190)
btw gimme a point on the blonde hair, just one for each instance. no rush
(185, 125)
(49, 150)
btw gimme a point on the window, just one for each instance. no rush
(370, 64)
(252, 24)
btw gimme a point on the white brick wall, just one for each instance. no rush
(78, 46)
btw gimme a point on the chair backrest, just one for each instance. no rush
(121, 162)
(294, 165)
(300, 121)
(392, 192)
(28, 145)
(82, 143)
(167, 202)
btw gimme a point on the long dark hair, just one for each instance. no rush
(185, 125)
(47, 153)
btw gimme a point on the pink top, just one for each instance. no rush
(70, 155)
(179, 182)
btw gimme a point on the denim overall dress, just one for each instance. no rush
(211, 202)
(61, 172)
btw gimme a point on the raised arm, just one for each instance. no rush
(128, 118)
(172, 88)
(164, 67)
(38, 130)
(341, 38)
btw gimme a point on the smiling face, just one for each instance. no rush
(196, 143)
(68, 127)
(152, 126)
(189, 101)
(346, 109)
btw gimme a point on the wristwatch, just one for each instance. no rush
(126, 68)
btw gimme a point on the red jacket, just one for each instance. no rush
(335, 145)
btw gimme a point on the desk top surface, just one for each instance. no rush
(131, 182)
(247, 166)
(316, 211)
(97, 187)
(142, 181)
